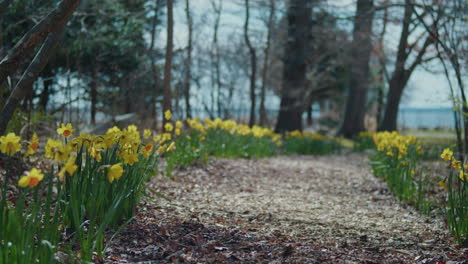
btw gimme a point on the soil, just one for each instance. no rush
(286, 209)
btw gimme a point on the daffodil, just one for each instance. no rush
(177, 131)
(168, 127)
(147, 150)
(147, 133)
(56, 150)
(161, 148)
(32, 179)
(168, 115)
(178, 124)
(70, 167)
(32, 146)
(10, 144)
(130, 158)
(447, 154)
(115, 172)
(463, 176)
(65, 130)
(456, 164)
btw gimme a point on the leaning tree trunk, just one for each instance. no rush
(402, 74)
(253, 64)
(29, 76)
(294, 74)
(353, 122)
(26, 46)
(167, 105)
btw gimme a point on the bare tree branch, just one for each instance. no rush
(25, 47)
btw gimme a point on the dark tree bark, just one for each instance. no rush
(26, 46)
(401, 74)
(309, 114)
(188, 73)
(4, 5)
(295, 64)
(48, 81)
(263, 115)
(29, 76)
(167, 104)
(216, 61)
(383, 73)
(94, 94)
(353, 122)
(154, 70)
(253, 64)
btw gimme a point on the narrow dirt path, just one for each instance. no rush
(287, 209)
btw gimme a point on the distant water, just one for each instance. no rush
(426, 118)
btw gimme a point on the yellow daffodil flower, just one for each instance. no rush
(168, 115)
(70, 167)
(10, 144)
(447, 154)
(32, 179)
(168, 127)
(147, 133)
(65, 130)
(463, 176)
(115, 172)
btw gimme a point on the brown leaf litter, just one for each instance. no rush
(287, 209)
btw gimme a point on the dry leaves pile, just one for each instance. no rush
(294, 209)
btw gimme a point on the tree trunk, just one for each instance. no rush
(26, 46)
(45, 94)
(93, 94)
(295, 64)
(154, 71)
(188, 74)
(167, 105)
(253, 64)
(389, 121)
(216, 61)
(353, 122)
(309, 115)
(401, 75)
(263, 115)
(29, 76)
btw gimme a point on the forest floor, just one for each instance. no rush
(287, 209)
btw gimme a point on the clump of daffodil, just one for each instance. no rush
(10, 144)
(447, 155)
(115, 172)
(65, 130)
(390, 141)
(32, 178)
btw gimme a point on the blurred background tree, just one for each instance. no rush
(269, 62)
